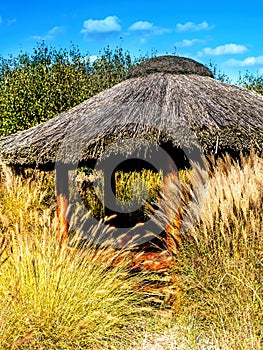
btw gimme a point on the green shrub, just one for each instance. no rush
(252, 82)
(35, 88)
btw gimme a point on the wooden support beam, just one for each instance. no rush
(110, 198)
(62, 192)
(173, 227)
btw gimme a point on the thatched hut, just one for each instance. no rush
(170, 101)
(162, 94)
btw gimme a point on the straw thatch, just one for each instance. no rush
(170, 64)
(155, 103)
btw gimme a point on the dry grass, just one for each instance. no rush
(55, 298)
(60, 296)
(22, 200)
(221, 262)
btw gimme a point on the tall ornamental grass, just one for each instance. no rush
(60, 296)
(220, 264)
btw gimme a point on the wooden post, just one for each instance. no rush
(108, 197)
(62, 189)
(173, 227)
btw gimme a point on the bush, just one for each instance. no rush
(252, 82)
(35, 88)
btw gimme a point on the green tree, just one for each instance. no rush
(34, 88)
(218, 74)
(252, 82)
(249, 81)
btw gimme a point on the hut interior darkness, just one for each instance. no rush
(169, 101)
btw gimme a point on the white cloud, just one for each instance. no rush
(188, 43)
(50, 35)
(146, 29)
(193, 27)
(37, 37)
(142, 25)
(55, 31)
(90, 58)
(11, 21)
(249, 61)
(226, 49)
(93, 58)
(109, 24)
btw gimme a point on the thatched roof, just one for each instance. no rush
(160, 99)
(172, 65)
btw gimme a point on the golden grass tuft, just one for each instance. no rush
(221, 261)
(59, 296)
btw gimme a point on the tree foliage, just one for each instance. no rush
(249, 81)
(252, 82)
(34, 88)
(218, 74)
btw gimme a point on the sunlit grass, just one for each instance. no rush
(54, 297)
(221, 261)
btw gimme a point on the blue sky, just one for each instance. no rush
(228, 33)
